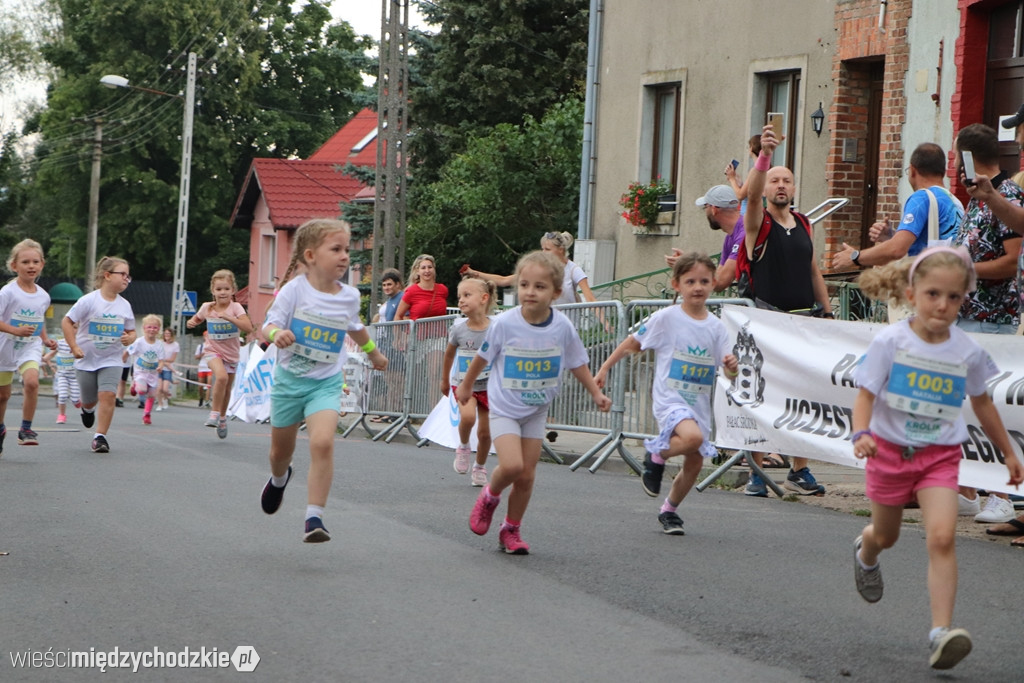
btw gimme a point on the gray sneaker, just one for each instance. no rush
(869, 582)
(949, 647)
(222, 428)
(671, 523)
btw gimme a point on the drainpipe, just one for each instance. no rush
(586, 165)
(881, 14)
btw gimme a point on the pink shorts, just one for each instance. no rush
(480, 396)
(893, 480)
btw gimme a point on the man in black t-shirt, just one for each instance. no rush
(783, 269)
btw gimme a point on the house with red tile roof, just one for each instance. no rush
(279, 195)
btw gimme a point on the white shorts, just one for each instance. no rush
(531, 427)
(668, 428)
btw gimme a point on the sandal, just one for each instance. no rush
(775, 460)
(1016, 527)
(1018, 542)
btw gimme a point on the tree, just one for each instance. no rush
(494, 201)
(490, 63)
(274, 82)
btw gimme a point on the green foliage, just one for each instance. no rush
(274, 81)
(490, 63)
(494, 201)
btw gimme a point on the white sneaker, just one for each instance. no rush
(996, 510)
(461, 463)
(159, 407)
(968, 506)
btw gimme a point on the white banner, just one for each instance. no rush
(250, 395)
(795, 392)
(442, 424)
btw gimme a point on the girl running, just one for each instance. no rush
(224, 318)
(171, 350)
(308, 322)
(63, 363)
(147, 353)
(97, 328)
(527, 348)
(918, 453)
(689, 344)
(476, 301)
(23, 306)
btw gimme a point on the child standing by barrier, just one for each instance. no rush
(307, 323)
(224, 318)
(689, 344)
(527, 348)
(63, 362)
(171, 350)
(476, 301)
(147, 353)
(928, 364)
(97, 328)
(23, 306)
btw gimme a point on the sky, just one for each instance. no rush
(363, 15)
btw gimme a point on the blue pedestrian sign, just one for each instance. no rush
(188, 304)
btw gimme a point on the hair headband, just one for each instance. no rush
(960, 252)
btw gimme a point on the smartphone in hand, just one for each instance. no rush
(776, 120)
(968, 158)
(735, 164)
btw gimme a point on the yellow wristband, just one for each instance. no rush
(272, 333)
(368, 346)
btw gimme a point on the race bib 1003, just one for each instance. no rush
(532, 369)
(926, 386)
(318, 337)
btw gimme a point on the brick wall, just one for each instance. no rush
(860, 45)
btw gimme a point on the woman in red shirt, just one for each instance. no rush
(424, 297)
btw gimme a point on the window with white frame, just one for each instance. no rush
(268, 260)
(782, 91)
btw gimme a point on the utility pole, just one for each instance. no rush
(392, 105)
(94, 205)
(178, 296)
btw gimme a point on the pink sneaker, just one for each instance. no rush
(480, 518)
(462, 456)
(510, 542)
(62, 419)
(146, 419)
(479, 476)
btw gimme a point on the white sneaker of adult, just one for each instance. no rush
(996, 510)
(968, 506)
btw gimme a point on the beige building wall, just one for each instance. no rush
(716, 51)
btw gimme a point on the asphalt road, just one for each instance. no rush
(161, 544)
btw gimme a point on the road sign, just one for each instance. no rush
(187, 305)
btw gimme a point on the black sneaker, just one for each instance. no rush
(671, 523)
(100, 445)
(88, 419)
(27, 437)
(315, 531)
(3, 433)
(651, 478)
(803, 483)
(273, 495)
(118, 403)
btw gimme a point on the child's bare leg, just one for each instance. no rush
(685, 441)
(510, 462)
(30, 382)
(5, 396)
(522, 487)
(221, 385)
(483, 435)
(321, 427)
(282, 446)
(467, 417)
(105, 411)
(939, 508)
(881, 533)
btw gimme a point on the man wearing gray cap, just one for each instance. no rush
(722, 209)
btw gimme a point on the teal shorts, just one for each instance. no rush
(293, 398)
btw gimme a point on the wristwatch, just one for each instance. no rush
(855, 257)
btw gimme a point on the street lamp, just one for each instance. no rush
(178, 295)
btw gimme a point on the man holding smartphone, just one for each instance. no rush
(927, 172)
(783, 271)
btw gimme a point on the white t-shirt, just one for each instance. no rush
(319, 322)
(527, 362)
(573, 276)
(920, 387)
(170, 351)
(687, 355)
(100, 326)
(204, 365)
(466, 342)
(21, 309)
(146, 356)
